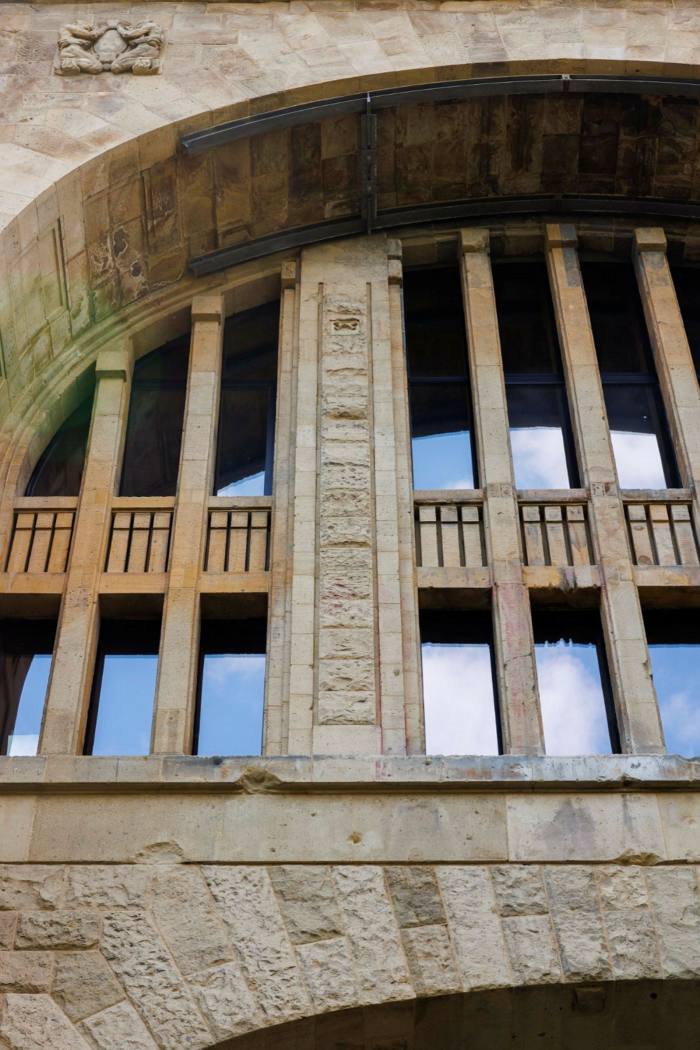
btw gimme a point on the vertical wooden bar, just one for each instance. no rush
(177, 667)
(514, 648)
(78, 623)
(621, 614)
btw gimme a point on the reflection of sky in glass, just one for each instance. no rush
(252, 485)
(231, 706)
(539, 458)
(638, 460)
(125, 709)
(460, 713)
(677, 679)
(571, 699)
(24, 740)
(443, 461)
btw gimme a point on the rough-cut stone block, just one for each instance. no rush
(676, 902)
(306, 895)
(622, 887)
(634, 953)
(31, 886)
(249, 909)
(431, 960)
(582, 946)
(477, 935)
(26, 971)
(143, 964)
(415, 895)
(118, 1028)
(532, 949)
(519, 890)
(84, 984)
(187, 920)
(8, 925)
(572, 889)
(328, 969)
(370, 925)
(34, 1022)
(109, 885)
(58, 929)
(225, 1000)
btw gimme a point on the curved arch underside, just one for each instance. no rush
(635, 1015)
(436, 152)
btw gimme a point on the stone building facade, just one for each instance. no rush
(344, 888)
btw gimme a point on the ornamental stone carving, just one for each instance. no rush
(114, 46)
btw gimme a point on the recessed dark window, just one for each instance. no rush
(575, 698)
(60, 469)
(121, 709)
(231, 687)
(638, 427)
(540, 430)
(674, 646)
(438, 380)
(26, 647)
(154, 429)
(687, 282)
(247, 413)
(459, 695)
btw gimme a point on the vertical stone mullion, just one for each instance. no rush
(179, 649)
(515, 658)
(674, 362)
(621, 614)
(78, 625)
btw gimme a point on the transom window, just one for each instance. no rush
(60, 468)
(673, 637)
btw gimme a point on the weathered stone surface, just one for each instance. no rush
(582, 946)
(34, 1022)
(142, 963)
(84, 984)
(250, 911)
(519, 890)
(8, 924)
(431, 960)
(328, 968)
(58, 929)
(415, 895)
(477, 935)
(674, 894)
(118, 1028)
(306, 895)
(109, 886)
(187, 920)
(225, 1000)
(31, 886)
(631, 938)
(532, 949)
(26, 971)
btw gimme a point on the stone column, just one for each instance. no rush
(78, 624)
(621, 614)
(674, 361)
(515, 657)
(179, 649)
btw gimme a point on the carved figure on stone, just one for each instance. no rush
(114, 46)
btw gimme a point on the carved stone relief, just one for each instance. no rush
(114, 46)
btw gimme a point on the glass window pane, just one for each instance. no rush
(636, 434)
(154, 429)
(435, 338)
(441, 436)
(572, 697)
(125, 683)
(537, 417)
(60, 469)
(526, 322)
(25, 663)
(674, 648)
(250, 345)
(617, 319)
(243, 442)
(231, 704)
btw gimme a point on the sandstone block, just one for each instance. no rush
(431, 960)
(84, 984)
(622, 887)
(8, 924)
(26, 971)
(674, 895)
(476, 931)
(58, 929)
(532, 949)
(34, 1022)
(118, 1028)
(572, 888)
(415, 894)
(109, 885)
(634, 953)
(584, 955)
(187, 920)
(339, 708)
(306, 895)
(328, 969)
(30, 886)
(519, 889)
(225, 1000)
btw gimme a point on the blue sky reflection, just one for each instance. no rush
(443, 461)
(676, 670)
(231, 707)
(460, 713)
(24, 740)
(571, 698)
(125, 710)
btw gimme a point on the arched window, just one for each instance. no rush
(154, 429)
(60, 469)
(247, 409)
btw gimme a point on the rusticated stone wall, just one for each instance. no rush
(178, 957)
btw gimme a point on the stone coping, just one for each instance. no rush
(377, 774)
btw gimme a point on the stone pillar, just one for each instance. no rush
(179, 649)
(674, 362)
(515, 658)
(621, 614)
(78, 624)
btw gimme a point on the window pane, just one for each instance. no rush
(25, 662)
(125, 682)
(525, 318)
(572, 697)
(231, 704)
(441, 436)
(60, 469)
(537, 417)
(687, 282)
(154, 429)
(458, 691)
(636, 434)
(674, 647)
(250, 345)
(617, 319)
(435, 338)
(243, 442)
